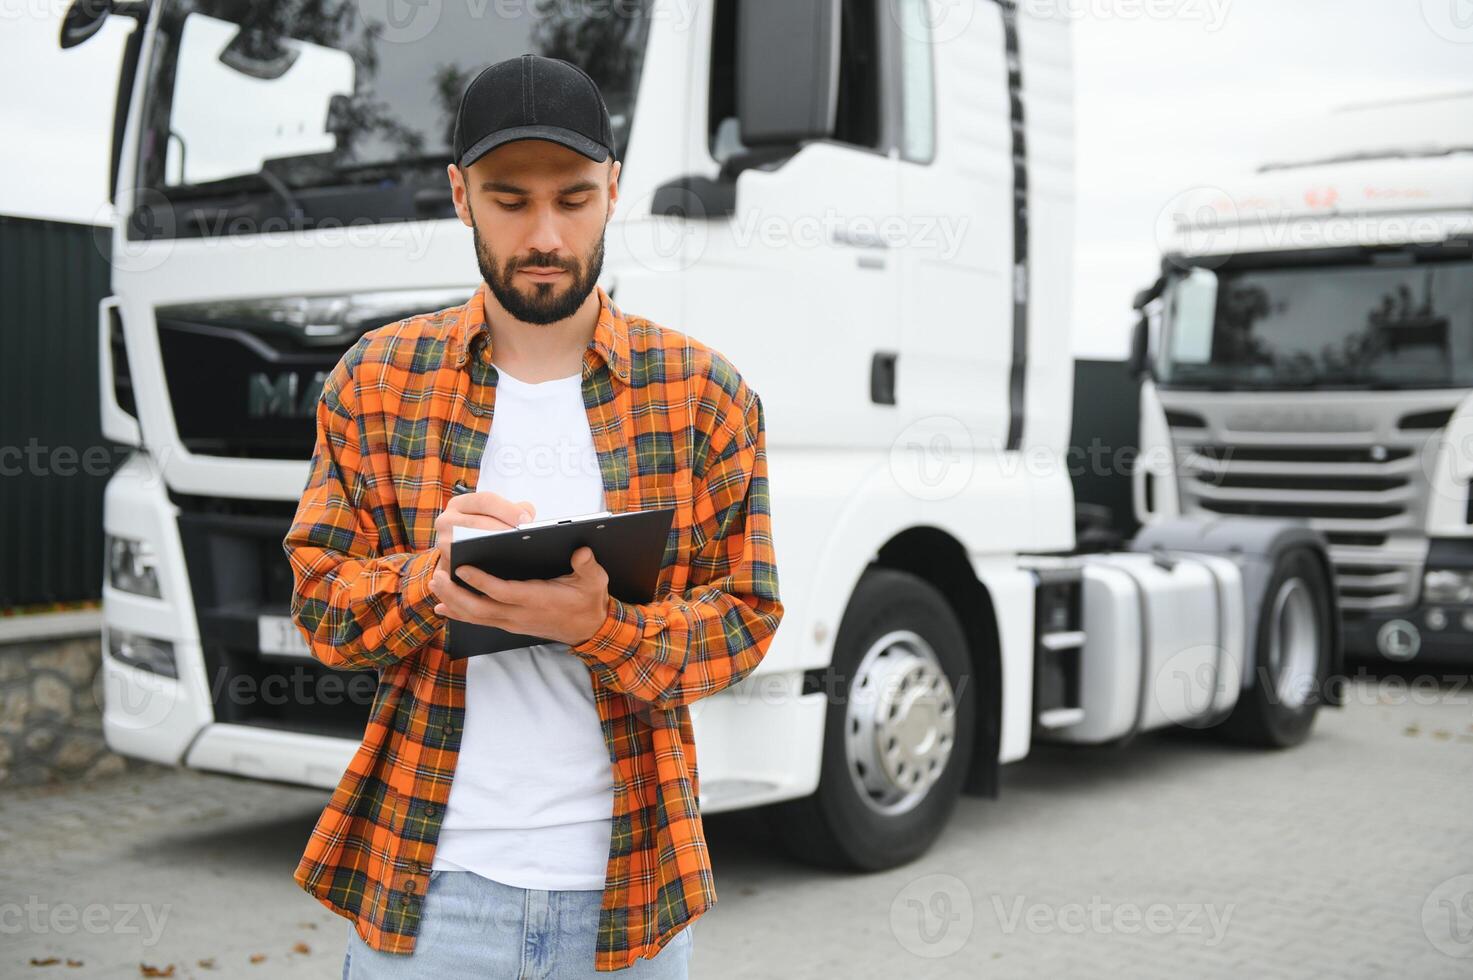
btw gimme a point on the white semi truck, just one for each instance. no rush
(866, 205)
(1309, 354)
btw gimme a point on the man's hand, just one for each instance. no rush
(482, 509)
(567, 609)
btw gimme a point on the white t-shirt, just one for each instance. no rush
(532, 800)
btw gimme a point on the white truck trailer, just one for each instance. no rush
(1309, 352)
(866, 205)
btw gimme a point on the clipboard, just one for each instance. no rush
(630, 546)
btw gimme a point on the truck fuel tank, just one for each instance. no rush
(1164, 644)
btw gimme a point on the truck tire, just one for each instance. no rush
(1292, 656)
(898, 731)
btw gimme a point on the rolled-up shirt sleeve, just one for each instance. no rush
(359, 605)
(682, 648)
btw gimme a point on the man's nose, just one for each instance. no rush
(546, 237)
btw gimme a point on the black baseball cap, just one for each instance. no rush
(532, 97)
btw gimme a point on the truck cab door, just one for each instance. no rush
(804, 248)
(956, 181)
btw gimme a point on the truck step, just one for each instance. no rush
(1060, 717)
(1062, 639)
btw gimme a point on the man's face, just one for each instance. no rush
(537, 211)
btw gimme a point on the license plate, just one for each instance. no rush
(279, 635)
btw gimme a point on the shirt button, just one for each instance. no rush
(410, 885)
(429, 809)
(449, 729)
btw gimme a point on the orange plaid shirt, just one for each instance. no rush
(401, 426)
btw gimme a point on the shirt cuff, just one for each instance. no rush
(617, 635)
(417, 600)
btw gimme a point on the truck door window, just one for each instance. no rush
(917, 92)
(858, 118)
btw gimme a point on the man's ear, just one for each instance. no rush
(614, 168)
(458, 192)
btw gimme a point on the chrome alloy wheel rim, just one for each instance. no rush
(1293, 650)
(899, 723)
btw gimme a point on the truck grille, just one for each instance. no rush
(1351, 494)
(237, 571)
(244, 376)
(1340, 461)
(232, 394)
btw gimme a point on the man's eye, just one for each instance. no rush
(511, 205)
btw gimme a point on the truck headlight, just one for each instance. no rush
(1447, 586)
(144, 652)
(132, 566)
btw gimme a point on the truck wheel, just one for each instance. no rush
(1292, 658)
(898, 732)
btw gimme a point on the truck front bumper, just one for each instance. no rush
(1431, 632)
(1407, 637)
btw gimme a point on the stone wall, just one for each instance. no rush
(51, 712)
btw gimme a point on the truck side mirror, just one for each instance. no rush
(83, 19)
(775, 110)
(787, 70)
(1140, 336)
(1140, 343)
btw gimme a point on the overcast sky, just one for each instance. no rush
(1170, 94)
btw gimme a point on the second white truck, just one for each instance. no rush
(1313, 359)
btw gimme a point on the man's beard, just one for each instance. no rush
(546, 304)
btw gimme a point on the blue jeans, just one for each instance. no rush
(472, 926)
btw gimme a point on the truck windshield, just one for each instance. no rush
(1345, 326)
(264, 115)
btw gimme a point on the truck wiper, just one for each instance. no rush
(360, 173)
(1360, 385)
(307, 177)
(231, 185)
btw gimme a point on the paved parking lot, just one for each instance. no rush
(1174, 857)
